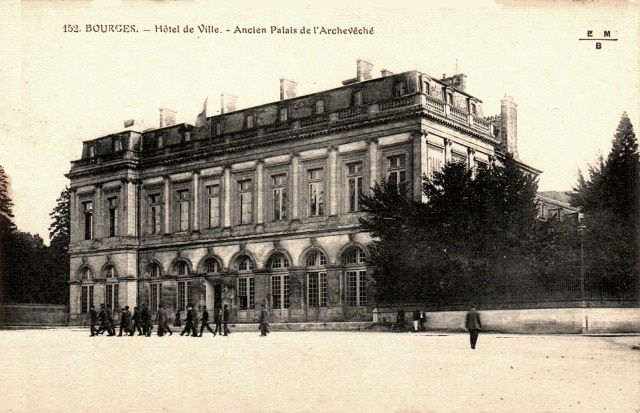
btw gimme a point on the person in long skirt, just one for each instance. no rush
(264, 321)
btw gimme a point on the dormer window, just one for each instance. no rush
(356, 99)
(473, 109)
(283, 114)
(92, 151)
(448, 97)
(249, 122)
(319, 106)
(426, 88)
(400, 88)
(217, 129)
(117, 144)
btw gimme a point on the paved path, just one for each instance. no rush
(64, 370)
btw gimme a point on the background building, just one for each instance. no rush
(260, 205)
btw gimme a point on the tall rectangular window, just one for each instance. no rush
(283, 114)
(111, 297)
(155, 214)
(356, 98)
(354, 180)
(317, 289)
(184, 294)
(113, 216)
(213, 205)
(435, 159)
(397, 169)
(356, 288)
(280, 291)
(246, 293)
(183, 210)
(245, 192)
(279, 183)
(155, 294)
(86, 300)
(88, 219)
(319, 106)
(249, 122)
(400, 88)
(316, 192)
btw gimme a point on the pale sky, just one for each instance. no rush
(59, 89)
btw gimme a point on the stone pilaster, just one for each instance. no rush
(295, 186)
(166, 200)
(373, 162)
(332, 168)
(420, 164)
(227, 197)
(196, 202)
(260, 193)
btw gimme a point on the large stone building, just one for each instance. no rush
(260, 205)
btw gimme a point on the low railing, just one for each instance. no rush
(481, 123)
(399, 102)
(459, 114)
(314, 120)
(352, 112)
(434, 103)
(278, 127)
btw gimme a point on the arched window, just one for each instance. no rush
(86, 274)
(317, 280)
(354, 255)
(110, 272)
(244, 263)
(154, 270)
(181, 268)
(212, 266)
(355, 277)
(316, 259)
(278, 261)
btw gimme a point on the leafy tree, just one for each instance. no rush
(610, 200)
(59, 234)
(7, 227)
(461, 243)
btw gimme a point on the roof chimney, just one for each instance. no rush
(228, 102)
(364, 70)
(287, 89)
(509, 126)
(167, 117)
(385, 73)
(129, 123)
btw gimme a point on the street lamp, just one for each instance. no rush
(581, 229)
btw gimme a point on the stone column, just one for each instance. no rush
(373, 163)
(227, 197)
(471, 160)
(295, 186)
(419, 167)
(98, 218)
(332, 167)
(75, 216)
(166, 197)
(196, 202)
(447, 150)
(260, 194)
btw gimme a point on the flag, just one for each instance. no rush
(201, 120)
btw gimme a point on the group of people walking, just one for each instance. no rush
(140, 321)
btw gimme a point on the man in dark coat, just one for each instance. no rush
(163, 324)
(217, 318)
(473, 325)
(103, 319)
(400, 319)
(136, 321)
(125, 319)
(93, 315)
(225, 320)
(416, 320)
(205, 321)
(189, 327)
(146, 320)
(264, 321)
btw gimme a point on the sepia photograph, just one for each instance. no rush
(412, 207)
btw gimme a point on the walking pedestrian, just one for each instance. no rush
(137, 318)
(177, 322)
(217, 318)
(205, 321)
(163, 325)
(189, 327)
(416, 320)
(93, 317)
(473, 325)
(264, 322)
(423, 320)
(225, 320)
(146, 320)
(125, 319)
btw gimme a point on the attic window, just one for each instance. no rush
(117, 144)
(426, 88)
(283, 114)
(249, 122)
(319, 106)
(400, 88)
(92, 151)
(356, 99)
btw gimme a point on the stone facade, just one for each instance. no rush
(260, 205)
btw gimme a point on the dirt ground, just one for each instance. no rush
(65, 370)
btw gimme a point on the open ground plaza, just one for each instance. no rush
(65, 370)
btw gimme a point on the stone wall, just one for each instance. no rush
(33, 315)
(543, 321)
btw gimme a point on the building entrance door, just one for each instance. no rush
(217, 296)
